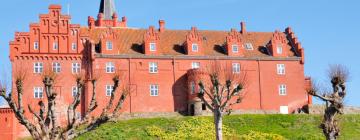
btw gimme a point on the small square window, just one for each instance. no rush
(154, 90)
(109, 45)
(193, 87)
(153, 67)
(76, 68)
(279, 49)
(152, 47)
(195, 65)
(109, 89)
(236, 67)
(249, 46)
(73, 46)
(282, 89)
(281, 69)
(195, 47)
(235, 48)
(36, 45)
(110, 67)
(38, 92)
(38, 67)
(74, 91)
(56, 67)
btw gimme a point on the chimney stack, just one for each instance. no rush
(161, 25)
(243, 27)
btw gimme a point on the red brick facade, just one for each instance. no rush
(152, 59)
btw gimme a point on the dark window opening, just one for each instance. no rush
(192, 109)
(98, 48)
(203, 106)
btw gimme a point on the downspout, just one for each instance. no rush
(173, 89)
(259, 69)
(129, 59)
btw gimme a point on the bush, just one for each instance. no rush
(193, 128)
(260, 136)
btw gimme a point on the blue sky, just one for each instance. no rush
(328, 29)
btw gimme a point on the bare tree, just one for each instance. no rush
(221, 92)
(334, 100)
(46, 126)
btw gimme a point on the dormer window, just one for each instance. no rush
(195, 65)
(152, 47)
(195, 47)
(249, 46)
(109, 45)
(235, 48)
(36, 45)
(279, 49)
(55, 46)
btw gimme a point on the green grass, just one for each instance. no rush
(292, 127)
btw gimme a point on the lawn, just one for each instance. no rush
(292, 127)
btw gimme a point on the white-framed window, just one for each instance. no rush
(152, 47)
(110, 67)
(280, 69)
(38, 67)
(109, 89)
(195, 65)
(74, 91)
(56, 67)
(55, 46)
(193, 87)
(109, 45)
(154, 90)
(73, 46)
(153, 67)
(76, 67)
(282, 89)
(279, 49)
(235, 48)
(236, 67)
(36, 45)
(38, 92)
(195, 47)
(249, 46)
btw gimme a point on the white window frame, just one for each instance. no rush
(280, 69)
(195, 65)
(56, 67)
(108, 89)
(74, 91)
(73, 46)
(235, 48)
(282, 90)
(195, 47)
(109, 45)
(38, 67)
(249, 46)
(55, 45)
(279, 49)
(38, 92)
(75, 67)
(236, 68)
(153, 67)
(36, 45)
(192, 87)
(152, 47)
(154, 90)
(110, 67)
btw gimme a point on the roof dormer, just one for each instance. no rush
(278, 45)
(193, 42)
(234, 44)
(151, 41)
(108, 42)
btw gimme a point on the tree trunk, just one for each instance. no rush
(218, 125)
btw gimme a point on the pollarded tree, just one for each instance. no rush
(46, 126)
(334, 100)
(220, 90)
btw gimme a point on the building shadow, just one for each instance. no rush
(179, 90)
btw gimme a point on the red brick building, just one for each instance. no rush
(155, 62)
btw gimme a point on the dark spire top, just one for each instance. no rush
(107, 8)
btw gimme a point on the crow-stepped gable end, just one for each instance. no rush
(162, 66)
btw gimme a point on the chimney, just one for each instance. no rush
(243, 27)
(161, 25)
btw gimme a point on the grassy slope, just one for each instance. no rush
(303, 127)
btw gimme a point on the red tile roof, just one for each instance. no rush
(129, 41)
